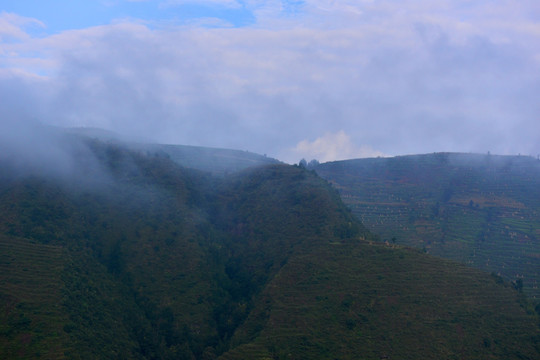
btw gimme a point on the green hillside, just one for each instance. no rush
(30, 289)
(482, 210)
(368, 301)
(129, 255)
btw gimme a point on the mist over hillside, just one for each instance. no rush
(116, 252)
(31, 147)
(141, 218)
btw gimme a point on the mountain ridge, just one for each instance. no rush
(148, 259)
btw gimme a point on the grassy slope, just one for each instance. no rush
(478, 209)
(366, 301)
(30, 291)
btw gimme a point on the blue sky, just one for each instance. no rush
(61, 15)
(318, 79)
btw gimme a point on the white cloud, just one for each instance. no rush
(331, 147)
(14, 27)
(406, 77)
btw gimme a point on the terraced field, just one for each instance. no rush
(364, 302)
(482, 210)
(31, 317)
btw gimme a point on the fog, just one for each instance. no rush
(28, 148)
(328, 80)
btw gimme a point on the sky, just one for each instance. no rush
(314, 79)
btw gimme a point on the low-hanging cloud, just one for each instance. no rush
(331, 147)
(406, 77)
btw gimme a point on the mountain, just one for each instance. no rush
(481, 210)
(117, 253)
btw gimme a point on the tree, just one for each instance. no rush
(313, 164)
(519, 285)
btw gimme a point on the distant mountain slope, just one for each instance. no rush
(126, 254)
(482, 210)
(214, 160)
(217, 161)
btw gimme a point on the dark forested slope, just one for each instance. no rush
(125, 254)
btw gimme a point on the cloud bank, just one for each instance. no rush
(331, 147)
(362, 78)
